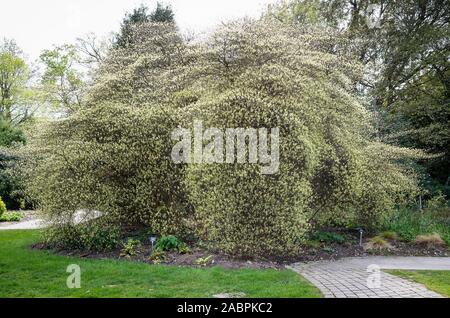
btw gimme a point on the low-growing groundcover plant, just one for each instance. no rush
(129, 248)
(168, 243)
(114, 154)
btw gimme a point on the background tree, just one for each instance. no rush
(17, 102)
(405, 49)
(61, 81)
(92, 50)
(163, 14)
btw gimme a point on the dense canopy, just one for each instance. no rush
(114, 155)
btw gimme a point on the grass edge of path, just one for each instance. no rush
(435, 280)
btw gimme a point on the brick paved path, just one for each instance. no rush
(351, 277)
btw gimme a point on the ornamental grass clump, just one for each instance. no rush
(430, 240)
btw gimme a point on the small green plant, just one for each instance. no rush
(329, 249)
(168, 243)
(172, 243)
(184, 249)
(130, 248)
(158, 256)
(204, 261)
(328, 237)
(98, 237)
(312, 244)
(11, 217)
(2, 207)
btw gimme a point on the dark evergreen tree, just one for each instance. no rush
(162, 14)
(141, 15)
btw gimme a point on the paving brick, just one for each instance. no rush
(347, 278)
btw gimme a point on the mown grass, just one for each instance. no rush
(30, 273)
(438, 281)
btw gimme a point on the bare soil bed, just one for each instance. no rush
(321, 251)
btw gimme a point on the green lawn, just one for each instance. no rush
(438, 281)
(30, 273)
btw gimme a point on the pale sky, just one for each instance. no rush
(38, 24)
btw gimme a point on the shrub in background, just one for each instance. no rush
(11, 217)
(2, 207)
(438, 206)
(113, 154)
(151, 69)
(9, 134)
(11, 189)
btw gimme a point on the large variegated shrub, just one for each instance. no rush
(114, 155)
(266, 74)
(111, 158)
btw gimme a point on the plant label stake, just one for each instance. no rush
(360, 236)
(152, 240)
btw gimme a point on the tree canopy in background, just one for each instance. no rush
(62, 83)
(10, 191)
(404, 46)
(15, 92)
(140, 15)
